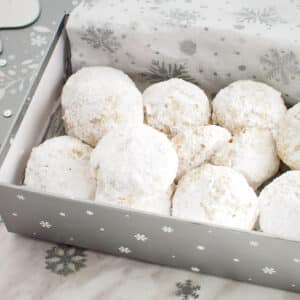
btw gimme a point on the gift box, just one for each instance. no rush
(133, 39)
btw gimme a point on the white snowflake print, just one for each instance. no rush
(20, 197)
(140, 237)
(296, 260)
(268, 270)
(124, 250)
(268, 16)
(236, 260)
(281, 66)
(38, 40)
(45, 224)
(15, 214)
(195, 269)
(167, 229)
(89, 212)
(18, 76)
(254, 243)
(200, 247)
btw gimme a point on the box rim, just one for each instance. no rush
(156, 215)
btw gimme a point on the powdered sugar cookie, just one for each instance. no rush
(98, 99)
(195, 146)
(61, 166)
(288, 139)
(175, 105)
(159, 202)
(247, 103)
(217, 195)
(251, 152)
(135, 160)
(280, 206)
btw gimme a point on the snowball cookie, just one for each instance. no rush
(175, 105)
(98, 99)
(195, 146)
(159, 202)
(280, 206)
(217, 195)
(251, 152)
(135, 160)
(61, 165)
(247, 103)
(288, 139)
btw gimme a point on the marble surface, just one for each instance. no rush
(32, 269)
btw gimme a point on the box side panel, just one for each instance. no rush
(36, 120)
(243, 256)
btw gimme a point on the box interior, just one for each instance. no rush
(35, 123)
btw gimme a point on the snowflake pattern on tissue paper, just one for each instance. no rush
(160, 71)
(268, 16)
(281, 66)
(101, 38)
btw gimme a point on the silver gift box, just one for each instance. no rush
(252, 257)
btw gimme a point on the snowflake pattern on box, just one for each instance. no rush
(268, 270)
(267, 16)
(181, 18)
(64, 260)
(187, 291)
(281, 66)
(101, 38)
(160, 71)
(16, 76)
(45, 224)
(141, 237)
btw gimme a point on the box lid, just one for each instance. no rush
(9, 130)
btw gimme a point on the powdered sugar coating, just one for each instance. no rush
(244, 104)
(251, 152)
(217, 195)
(135, 160)
(280, 206)
(98, 99)
(159, 202)
(195, 146)
(288, 139)
(175, 105)
(61, 166)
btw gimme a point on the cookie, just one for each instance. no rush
(288, 139)
(61, 166)
(98, 99)
(251, 152)
(135, 161)
(217, 195)
(280, 206)
(196, 146)
(245, 104)
(159, 202)
(174, 105)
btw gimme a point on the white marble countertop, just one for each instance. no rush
(32, 269)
